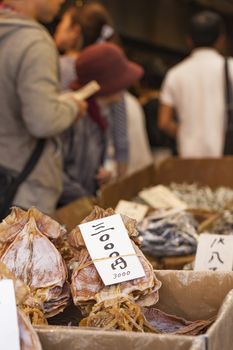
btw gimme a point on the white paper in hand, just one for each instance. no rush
(111, 250)
(132, 210)
(9, 329)
(214, 253)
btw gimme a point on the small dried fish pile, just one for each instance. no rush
(27, 250)
(166, 323)
(198, 197)
(224, 224)
(116, 306)
(169, 233)
(28, 337)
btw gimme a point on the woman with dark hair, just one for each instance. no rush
(79, 28)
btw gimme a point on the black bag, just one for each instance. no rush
(228, 147)
(10, 182)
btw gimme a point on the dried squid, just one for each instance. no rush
(116, 306)
(27, 248)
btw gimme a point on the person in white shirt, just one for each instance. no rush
(195, 89)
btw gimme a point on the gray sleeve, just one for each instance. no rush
(119, 130)
(37, 84)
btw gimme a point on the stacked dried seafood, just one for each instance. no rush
(26, 248)
(28, 337)
(169, 233)
(204, 197)
(116, 306)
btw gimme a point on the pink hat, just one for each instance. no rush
(107, 64)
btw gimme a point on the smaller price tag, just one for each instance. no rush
(214, 253)
(9, 329)
(111, 250)
(160, 197)
(132, 210)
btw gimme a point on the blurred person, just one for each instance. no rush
(85, 143)
(140, 154)
(79, 28)
(31, 108)
(148, 92)
(195, 89)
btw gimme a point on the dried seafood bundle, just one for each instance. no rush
(166, 323)
(28, 337)
(224, 224)
(105, 304)
(204, 197)
(169, 233)
(27, 249)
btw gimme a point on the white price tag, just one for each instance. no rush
(161, 197)
(132, 210)
(9, 329)
(111, 250)
(214, 253)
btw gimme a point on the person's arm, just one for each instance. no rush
(44, 113)
(120, 136)
(166, 120)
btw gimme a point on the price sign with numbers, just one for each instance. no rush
(132, 210)
(214, 253)
(111, 250)
(9, 330)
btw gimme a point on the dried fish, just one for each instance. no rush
(204, 197)
(169, 233)
(27, 250)
(103, 304)
(224, 224)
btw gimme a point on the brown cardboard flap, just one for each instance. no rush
(213, 172)
(72, 214)
(193, 295)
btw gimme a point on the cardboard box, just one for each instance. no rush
(72, 214)
(189, 294)
(214, 172)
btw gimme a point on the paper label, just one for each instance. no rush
(111, 250)
(9, 329)
(132, 210)
(87, 91)
(160, 197)
(214, 253)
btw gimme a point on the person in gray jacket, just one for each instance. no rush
(31, 105)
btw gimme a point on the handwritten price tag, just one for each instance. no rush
(111, 250)
(9, 330)
(132, 210)
(214, 253)
(159, 197)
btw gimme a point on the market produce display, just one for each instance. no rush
(26, 248)
(202, 197)
(169, 233)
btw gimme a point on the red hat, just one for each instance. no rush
(107, 64)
